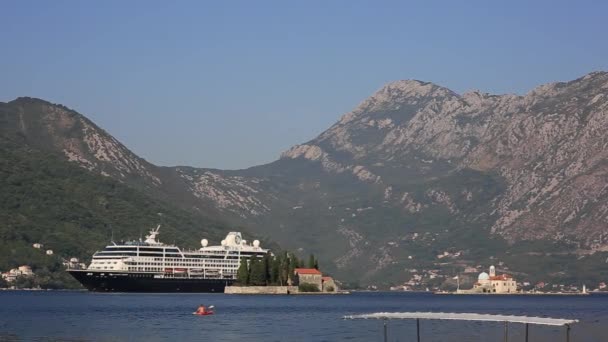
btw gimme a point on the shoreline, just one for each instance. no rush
(274, 290)
(517, 294)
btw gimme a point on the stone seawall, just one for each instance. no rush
(261, 290)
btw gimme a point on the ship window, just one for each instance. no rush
(149, 254)
(120, 249)
(117, 253)
(150, 249)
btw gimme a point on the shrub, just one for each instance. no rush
(307, 287)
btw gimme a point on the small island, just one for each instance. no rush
(282, 274)
(504, 284)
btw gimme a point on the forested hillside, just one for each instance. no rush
(48, 200)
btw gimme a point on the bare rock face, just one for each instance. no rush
(235, 194)
(549, 146)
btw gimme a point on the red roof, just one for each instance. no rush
(326, 278)
(307, 271)
(501, 277)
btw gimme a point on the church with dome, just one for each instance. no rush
(492, 283)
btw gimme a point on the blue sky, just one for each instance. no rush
(231, 84)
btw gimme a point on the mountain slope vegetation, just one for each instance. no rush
(45, 199)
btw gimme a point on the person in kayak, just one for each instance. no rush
(201, 310)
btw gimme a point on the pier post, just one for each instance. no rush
(385, 331)
(506, 331)
(526, 332)
(418, 329)
(567, 332)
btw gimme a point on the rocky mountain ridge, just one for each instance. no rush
(544, 144)
(414, 170)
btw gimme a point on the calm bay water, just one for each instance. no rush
(85, 316)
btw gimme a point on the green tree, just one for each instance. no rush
(284, 268)
(256, 272)
(275, 270)
(25, 282)
(242, 274)
(307, 287)
(311, 261)
(267, 267)
(292, 265)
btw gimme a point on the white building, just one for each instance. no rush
(11, 275)
(492, 283)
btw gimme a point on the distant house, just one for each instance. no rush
(309, 276)
(11, 275)
(37, 245)
(328, 284)
(49, 252)
(470, 269)
(25, 270)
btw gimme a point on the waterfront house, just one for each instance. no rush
(328, 284)
(309, 276)
(11, 275)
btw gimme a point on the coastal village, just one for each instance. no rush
(12, 276)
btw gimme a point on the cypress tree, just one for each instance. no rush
(311, 261)
(293, 264)
(284, 269)
(266, 269)
(242, 274)
(256, 272)
(275, 271)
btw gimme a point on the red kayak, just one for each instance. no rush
(203, 313)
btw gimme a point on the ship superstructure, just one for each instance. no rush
(152, 266)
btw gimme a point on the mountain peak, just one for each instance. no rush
(398, 93)
(27, 99)
(413, 89)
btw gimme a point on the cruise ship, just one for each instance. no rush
(152, 266)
